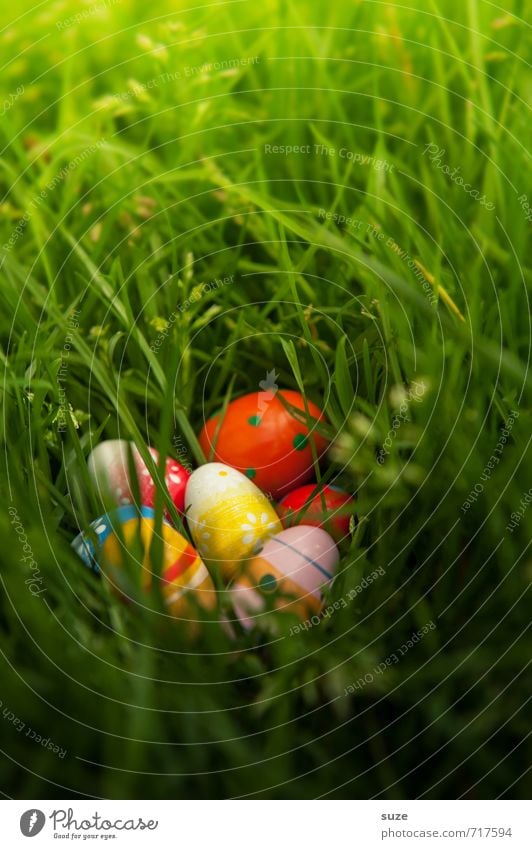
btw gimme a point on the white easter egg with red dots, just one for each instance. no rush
(108, 468)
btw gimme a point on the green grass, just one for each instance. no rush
(148, 195)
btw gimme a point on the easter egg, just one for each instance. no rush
(109, 470)
(182, 570)
(292, 567)
(228, 516)
(301, 506)
(266, 441)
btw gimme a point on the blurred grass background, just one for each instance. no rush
(135, 169)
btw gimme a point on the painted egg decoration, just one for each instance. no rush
(320, 510)
(228, 516)
(266, 441)
(182, 571)
(109, 470)
(293, 566)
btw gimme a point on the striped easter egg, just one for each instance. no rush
(182, 573)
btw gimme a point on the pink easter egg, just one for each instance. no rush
(295, 565)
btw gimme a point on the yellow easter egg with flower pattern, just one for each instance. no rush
(228, 516)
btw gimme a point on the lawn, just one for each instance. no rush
(192, 198)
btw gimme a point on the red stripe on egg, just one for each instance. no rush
(185, 560)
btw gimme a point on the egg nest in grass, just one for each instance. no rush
(260, 436)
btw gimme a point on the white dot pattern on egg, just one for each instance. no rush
(228, 516)
(83, 545)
